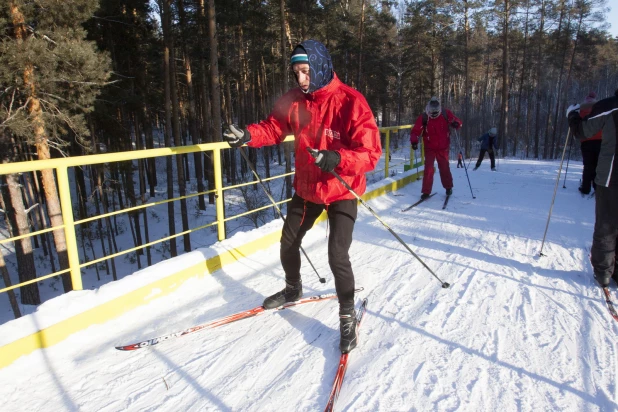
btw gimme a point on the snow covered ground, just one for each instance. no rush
(514, 331)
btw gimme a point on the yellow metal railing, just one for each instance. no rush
(62, 165)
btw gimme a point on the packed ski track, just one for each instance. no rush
(514, 332)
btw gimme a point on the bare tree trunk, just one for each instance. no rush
(18, 220)
(504, 112)
(165, 20)
(7, 278)
(284, 59)
(206, 107)
(546, 145)
(180, 168)
(284, 84)
(142, 189)
(361, 30)
(197, 156)
(38, 127)
(552, 152)
(521, 83)
(539, 80)
(466, 131)
(98, 203)
(215, 88)
(151, 163)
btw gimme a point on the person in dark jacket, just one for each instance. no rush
(489, 142)
(591, 148)
(335, 120)
(460, 160)
(604, 118)
(434, 126)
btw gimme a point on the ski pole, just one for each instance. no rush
(314, 154)
(416, 161)
(252, 167)
(567, 166)
(465, 168)
(555, 189)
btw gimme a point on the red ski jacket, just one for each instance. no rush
(584, 110)
(438, 135)
(334, 117)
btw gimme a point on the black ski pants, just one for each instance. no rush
(590, 156)
(491, 157)
(341, 217)
(459, 163)
(605, 238)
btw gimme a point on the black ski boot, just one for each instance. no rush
(424, 196)
(449, 191)
(291, 293)
(347, 327)
(602, 280)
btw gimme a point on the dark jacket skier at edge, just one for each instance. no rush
(489, 142)
(328, 116)
(603, 117)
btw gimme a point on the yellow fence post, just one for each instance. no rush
(219, 194)
(69, 227)
(387, 143)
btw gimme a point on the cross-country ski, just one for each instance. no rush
(421, 200)
(446, 201)
(343, 365)
(610, 303)
(259, 310)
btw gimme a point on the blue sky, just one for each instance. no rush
(612, 17)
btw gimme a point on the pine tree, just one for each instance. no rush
(50, 76)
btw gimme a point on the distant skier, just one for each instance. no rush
(326, 115)
(433, 125)
(590, 148)
(604, 118)
(489, 142)
(460, 160)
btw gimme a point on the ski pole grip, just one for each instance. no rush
(312, 152)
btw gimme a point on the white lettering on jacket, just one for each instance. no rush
(332, 134)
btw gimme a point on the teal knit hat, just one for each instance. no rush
(299, 55)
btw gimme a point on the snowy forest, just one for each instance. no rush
(85, 76)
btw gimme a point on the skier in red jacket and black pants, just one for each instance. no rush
(591, 148)
(328, 116)
(433, 125)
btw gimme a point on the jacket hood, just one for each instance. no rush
(320, 64)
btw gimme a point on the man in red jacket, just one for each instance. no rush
(328, 116)
(591, 148)
(433, 125)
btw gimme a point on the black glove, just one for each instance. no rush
(414, 146)
(235, 136)
(455, 124)
(574, 118)
(327, 160)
